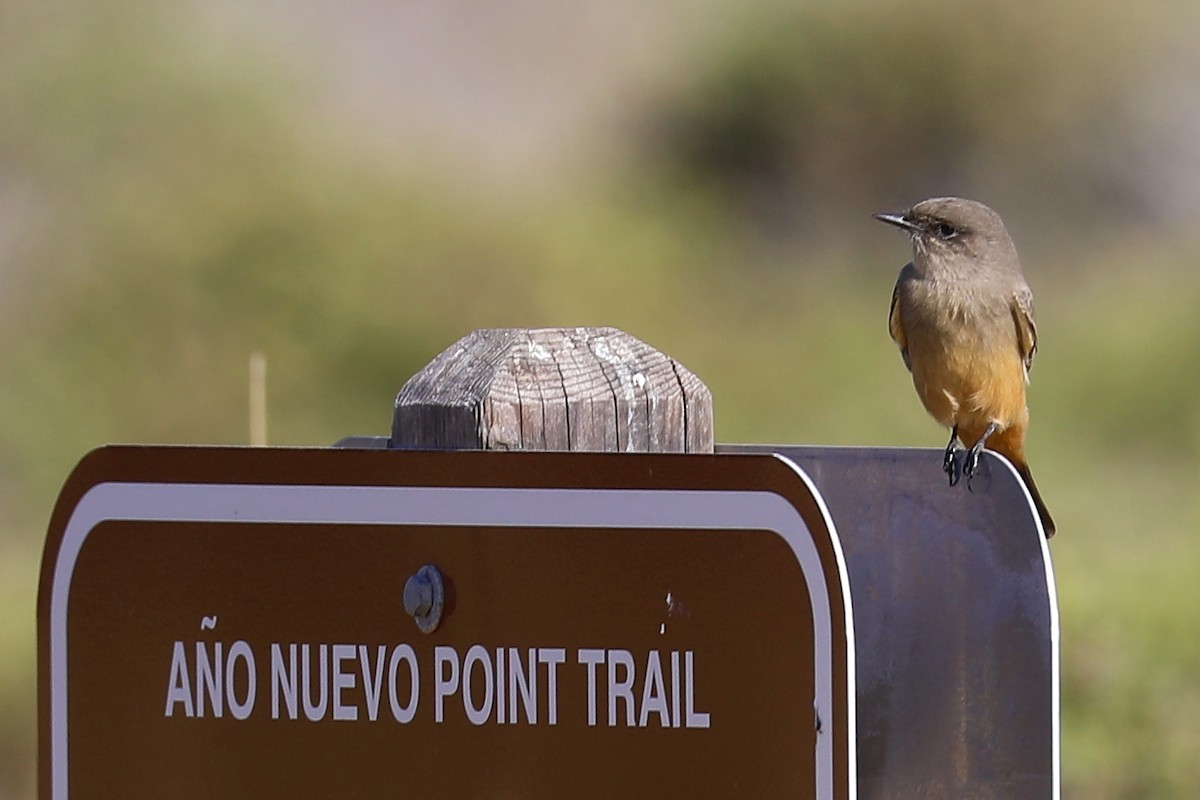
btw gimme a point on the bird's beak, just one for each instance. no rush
(897, 218)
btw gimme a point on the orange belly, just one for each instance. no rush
(971, 387)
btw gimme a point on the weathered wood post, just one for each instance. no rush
(576, 389)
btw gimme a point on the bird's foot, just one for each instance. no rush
(950, 464)
(953, 466)
(971, 463)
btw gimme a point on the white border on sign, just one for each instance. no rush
(459, 506)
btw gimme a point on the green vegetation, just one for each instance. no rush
(168, 206)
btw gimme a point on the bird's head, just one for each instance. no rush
(952, 233)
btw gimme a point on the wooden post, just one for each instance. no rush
(581, 389)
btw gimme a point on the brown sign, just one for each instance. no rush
(231, 622)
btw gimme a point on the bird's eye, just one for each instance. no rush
(946, 230)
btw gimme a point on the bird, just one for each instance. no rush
(962, 316)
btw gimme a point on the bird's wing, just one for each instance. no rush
(896, 323)
(1022, 314)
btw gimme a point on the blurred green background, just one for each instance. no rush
(350, 189)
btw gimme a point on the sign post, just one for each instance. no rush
(222, 622)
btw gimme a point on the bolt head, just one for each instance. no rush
(425, 598)
(418, 595)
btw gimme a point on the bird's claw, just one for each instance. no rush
(950, 464)
(971, 463)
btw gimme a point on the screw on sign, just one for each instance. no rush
(425, 598)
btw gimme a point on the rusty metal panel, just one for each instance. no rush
(956, 624)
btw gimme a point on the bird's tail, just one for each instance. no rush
(1043, 513)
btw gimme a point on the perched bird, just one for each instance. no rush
(962, 316)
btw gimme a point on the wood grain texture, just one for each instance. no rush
(580, 389)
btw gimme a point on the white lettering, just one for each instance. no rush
(241, 652)
(591, 657)
(283, 680)
(404, 714)
(208, 676)
(522, 682)
(341, 682)
(179, 689)
(620, 689)
(653, 694)
(372, 679)
(477, 654)
(675, 717)
(552, 657)
(500, 685)
(444, 684)
(315, 711)
(695, 719)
